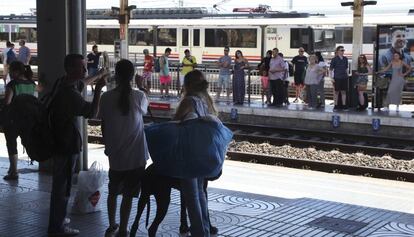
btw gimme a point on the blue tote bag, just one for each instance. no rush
(189, 149)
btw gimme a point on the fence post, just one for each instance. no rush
(248, 86)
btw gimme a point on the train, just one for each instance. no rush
(205, 37)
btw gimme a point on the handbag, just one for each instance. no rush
(189, 149)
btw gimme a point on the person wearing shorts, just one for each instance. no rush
(299, 67)
(121, 110)
(165, 78)
(339, 66)
(224, 64)
(147, 72)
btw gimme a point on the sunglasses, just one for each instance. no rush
(342, 50)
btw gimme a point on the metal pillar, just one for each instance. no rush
(123, 28)
(65, 20)
(263, 38)
(51, 20)
(76, 38)
(155, 39)
(357, 33)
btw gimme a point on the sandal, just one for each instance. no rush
(11, 176)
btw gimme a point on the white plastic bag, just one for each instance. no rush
(89, 197)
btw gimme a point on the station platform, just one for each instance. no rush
(297, 115)
(248, 200)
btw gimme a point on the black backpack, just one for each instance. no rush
(30, 117)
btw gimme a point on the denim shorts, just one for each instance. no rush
(224, 81)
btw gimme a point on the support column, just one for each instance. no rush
(358, 29)
(76, 38)
(263, 39)
(51, 47)
(155, 40)
(61, 28)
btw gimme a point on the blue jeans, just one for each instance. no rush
(63, 167)
(195, 199)
(92, 71)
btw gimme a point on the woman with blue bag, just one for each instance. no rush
(191, 148)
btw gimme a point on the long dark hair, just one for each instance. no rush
(319, 56)
(17, 66)
(364, 61)
(124, 72)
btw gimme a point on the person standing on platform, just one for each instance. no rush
(263, 68)
(24, 53)
(285, 82)
(196, 102)
(93, 61)
(339, 66)
(224, 64)
(299, 64)
(121, 111)
(321, 87)
(147, 72)
(188, 64)
(363, 70)
(312, 79)
(277, 69)
(165, 78)
(396, 86)
(239, 83)
(67, 105)
(19, 84)
(5, 65)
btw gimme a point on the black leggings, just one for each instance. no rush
(10, 133)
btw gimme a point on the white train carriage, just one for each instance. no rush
(206, 37)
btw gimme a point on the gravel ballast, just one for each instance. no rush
(334, 156)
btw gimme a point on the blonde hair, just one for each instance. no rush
(195, 84)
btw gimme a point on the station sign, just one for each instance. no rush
(376, 124)
(9, 28)
(159, 106)
(234, 115)
(336, 121)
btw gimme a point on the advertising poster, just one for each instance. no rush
(392, 39)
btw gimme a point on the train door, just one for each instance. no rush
(191, 39)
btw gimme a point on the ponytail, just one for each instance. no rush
(124, 72)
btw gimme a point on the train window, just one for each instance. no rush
(167, 37)
(370, 35)
(196, 37)
(33, 35)
(24, 33)
(92, 36)
(108, 36)
(185, 37)
(143, 37)
(243, 38)
(299, 38)
(4, 36)
(272, 30)
(343, 35)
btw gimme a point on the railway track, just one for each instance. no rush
(401, 149)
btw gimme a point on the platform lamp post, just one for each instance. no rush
(124, 14)
(358, 27)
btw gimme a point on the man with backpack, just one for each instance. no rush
(66, 106)
(165, 78)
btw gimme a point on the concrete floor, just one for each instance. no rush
(248, 200)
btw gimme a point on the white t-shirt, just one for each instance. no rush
(124, 137)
